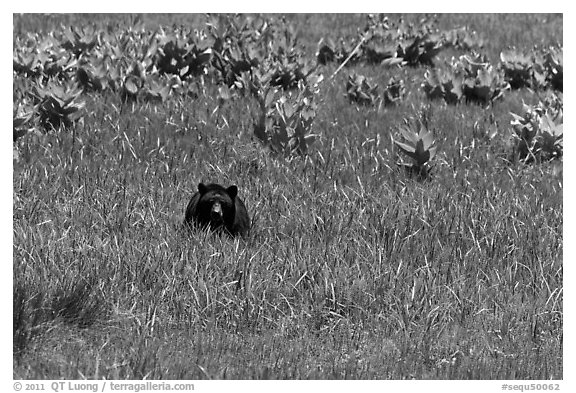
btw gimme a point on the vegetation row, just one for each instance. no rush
(260, 58)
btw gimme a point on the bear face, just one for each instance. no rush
(218, 208)
(216, 205)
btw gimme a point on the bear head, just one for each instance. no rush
(216, 205)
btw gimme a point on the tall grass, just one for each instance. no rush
(351, 270)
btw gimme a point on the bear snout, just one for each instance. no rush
(216, 213)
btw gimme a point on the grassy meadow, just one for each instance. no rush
(352, 269)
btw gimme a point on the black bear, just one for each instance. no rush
(218, 208)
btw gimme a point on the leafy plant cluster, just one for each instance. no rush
(362, 91)
(536, 70)
(463, 38)
(474, 79)
(471, 78)
(285, 118)
(538, 131)
(418, 145)
(263, 60)
(389, 43)
(269, 45)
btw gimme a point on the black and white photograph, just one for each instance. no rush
(287, 196)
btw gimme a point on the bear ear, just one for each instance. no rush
(232, 191)
(202, 188)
